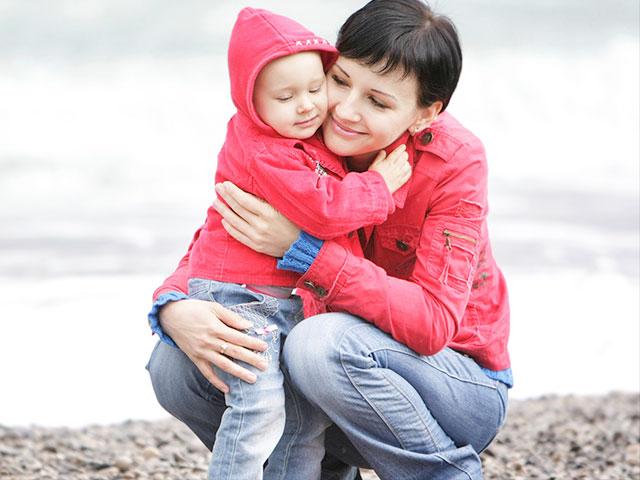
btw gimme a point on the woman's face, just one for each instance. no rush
(369, 111)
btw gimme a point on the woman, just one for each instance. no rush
(415, 376)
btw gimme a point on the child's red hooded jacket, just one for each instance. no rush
(301, 179)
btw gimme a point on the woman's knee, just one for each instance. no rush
(312, 350)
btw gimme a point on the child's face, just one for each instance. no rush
(290, 95)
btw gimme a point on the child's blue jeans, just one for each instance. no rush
(254, 418)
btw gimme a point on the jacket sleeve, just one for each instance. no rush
(424, 310)
(320, 204)
(177, 281)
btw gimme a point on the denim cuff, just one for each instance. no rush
(153, 316)
(505, 376)
(301, 253)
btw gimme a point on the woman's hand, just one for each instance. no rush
(253, 222)
(210, 334)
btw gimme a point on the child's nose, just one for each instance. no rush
(305, 106)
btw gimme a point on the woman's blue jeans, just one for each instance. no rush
(409, 416)
(383, 406)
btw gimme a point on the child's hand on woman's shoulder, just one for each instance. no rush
(395, 168)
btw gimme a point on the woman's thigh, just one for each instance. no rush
(335, 357)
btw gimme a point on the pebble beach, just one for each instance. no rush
(551, 437)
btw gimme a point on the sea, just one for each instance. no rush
(111, 116)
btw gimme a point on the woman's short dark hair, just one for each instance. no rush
(409, 35)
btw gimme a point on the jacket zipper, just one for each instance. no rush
(447, 234)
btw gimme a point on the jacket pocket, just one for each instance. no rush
(398, 244)
(453, 253)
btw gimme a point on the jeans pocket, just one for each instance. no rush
(230, 294)
(198, 287)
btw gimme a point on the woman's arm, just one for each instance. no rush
(254, 222)
(201, 329)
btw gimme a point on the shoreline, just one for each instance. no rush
(581, 437)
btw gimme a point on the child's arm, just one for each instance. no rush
(325, 206)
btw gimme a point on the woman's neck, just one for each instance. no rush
(360, 163)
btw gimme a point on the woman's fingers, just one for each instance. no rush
(241, 237)
(230, 318)
(237, 344)
(232, 333)
(207, 371)
(244, 204)
(227, 365)
(244, 355)
(231, 216)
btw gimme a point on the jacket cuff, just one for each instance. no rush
(154, 315)
(327, 274)
(301, 254)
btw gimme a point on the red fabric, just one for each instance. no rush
(300, 178)
(410, 284)
(429, 278)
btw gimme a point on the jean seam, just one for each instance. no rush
(449, 374)
(446, 460)
(384, 420)
(297, 432)
(235, 440)
(426, 427)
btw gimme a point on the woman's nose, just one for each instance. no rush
(345, 109)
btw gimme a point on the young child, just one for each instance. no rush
(277, 70)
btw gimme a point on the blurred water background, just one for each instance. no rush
(111, 116)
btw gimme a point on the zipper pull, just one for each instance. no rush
(447, 240)
(449, 234)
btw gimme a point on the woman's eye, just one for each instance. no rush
(338, 80)
(377, 103)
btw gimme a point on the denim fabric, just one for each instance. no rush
(184, 392)
(407, 416)
(410, 416)
(254, 419)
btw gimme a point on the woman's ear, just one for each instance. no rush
(426, 116)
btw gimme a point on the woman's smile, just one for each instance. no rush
(341, 129)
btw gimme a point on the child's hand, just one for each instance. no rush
(395, 168)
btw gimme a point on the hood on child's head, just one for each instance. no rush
(259, 37)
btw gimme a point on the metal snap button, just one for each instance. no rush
(319, 291)
(404, 246)
(426, 138)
